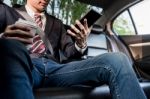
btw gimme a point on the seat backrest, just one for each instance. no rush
(96, 42)
(118, 46)
(100, 42)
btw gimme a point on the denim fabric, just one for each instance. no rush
(113, 69)
(15, 71)
(18, 75)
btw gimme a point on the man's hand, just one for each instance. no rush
(80, 34)
(20, 33)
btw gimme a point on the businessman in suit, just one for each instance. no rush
(22, 69)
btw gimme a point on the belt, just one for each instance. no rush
(38, 55)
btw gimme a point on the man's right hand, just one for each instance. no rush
(20, 33)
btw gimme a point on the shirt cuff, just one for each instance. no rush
(1, 35)
(81, 50)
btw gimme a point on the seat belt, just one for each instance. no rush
(41, 32)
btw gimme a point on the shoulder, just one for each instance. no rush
(7, 9)
(4, 7)
(8, 14)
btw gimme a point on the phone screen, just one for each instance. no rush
(92, 16)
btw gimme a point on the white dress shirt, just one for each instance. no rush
(32, 13)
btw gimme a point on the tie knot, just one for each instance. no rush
(36, 15)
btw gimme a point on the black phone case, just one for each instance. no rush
(92, 16)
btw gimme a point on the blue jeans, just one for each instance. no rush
(19, 74)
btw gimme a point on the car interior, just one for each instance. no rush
(102, 39)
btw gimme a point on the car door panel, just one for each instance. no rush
(139, 46)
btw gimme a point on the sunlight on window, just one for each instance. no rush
(7, 2)
(123, 25)
(141, 15)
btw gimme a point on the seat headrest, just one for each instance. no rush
(96, 29)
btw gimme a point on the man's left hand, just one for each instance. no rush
(80, 34)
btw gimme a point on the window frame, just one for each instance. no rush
(131, 18)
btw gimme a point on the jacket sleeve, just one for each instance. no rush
(2, 18)
(8, 16)
(68, 44)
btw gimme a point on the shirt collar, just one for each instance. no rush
(32, 13)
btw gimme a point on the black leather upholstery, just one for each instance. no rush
(101, 92)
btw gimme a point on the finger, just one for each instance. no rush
(15, 26)
(18, 33)
(23, 40)
(10, 27)
(86, 24)
(24, 33)
(86, 27)
(75, 29)
(78, 33)
(18, 30)
(76, 36)
(22, 27)
(81, 27)
(83, 33)
(71, 33)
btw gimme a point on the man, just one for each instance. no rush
(21, 70)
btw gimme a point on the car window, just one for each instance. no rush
(123, 24)
(133, 21)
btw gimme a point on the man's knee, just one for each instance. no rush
(118, 62)
(113, 58)
(12, 50)
(13, 54)
(7, 45)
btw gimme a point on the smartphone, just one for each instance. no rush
(92, 16)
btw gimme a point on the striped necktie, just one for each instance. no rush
(38, 45)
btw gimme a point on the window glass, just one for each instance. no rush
(8, 2)
(123, 25)
(141, 17)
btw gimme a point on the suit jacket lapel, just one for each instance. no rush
(49, 24)
(22, 11)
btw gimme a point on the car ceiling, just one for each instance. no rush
(111, 8)
(100, 3)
